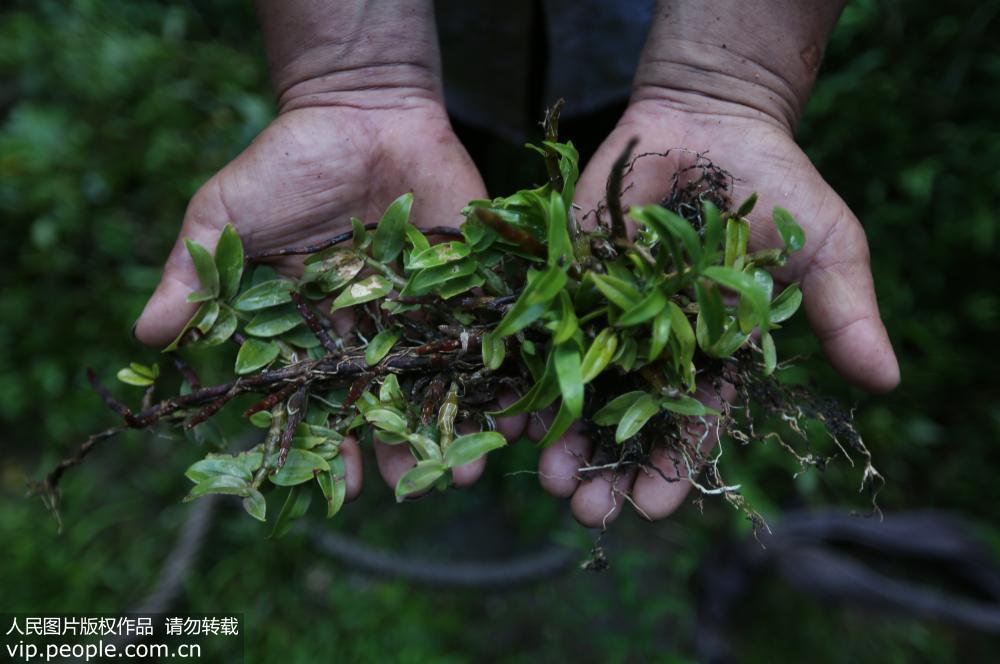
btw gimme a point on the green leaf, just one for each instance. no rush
(685, 405)
(454, 287)
(390, 234)
(730, 341)
(567, 324)
(261, 419)
(613, 411)
(661, 334)
(381, 344)
(262, 273)
(438, 254)
(770, 354)
(668, 225)
(131, 377)
(791, 233)
(711, 312)
(636, 417)
(772, 257)
(389, 392)
(300, 466)
(204, 265)
(617, 291)
(529, 355)
(569, 167)
(681, 330)
(495, 285)
(370, 288)
(764, 279)
(566, 360)
(301, 337)
(229, 262)
(225, 325)
(263, 295)
(254, 503)
(424, 446)
(360, 237)
(494, 351)
(334, 485)
(747, 287)
(714, 229)
(332, 269)
(387, 420)
(141, 369)
(241, 465)
(466, 449)
(202, 321)
(533, 301)
(737, 236)
(646, 308)
(599, 355)
(785, 305)
(274, 321)
(627, 354)
(417, 239)
(254, 354)
(423, 281)
(560, 246)
(746, 207)
(295, 506)
(420, 477)
(222, 484)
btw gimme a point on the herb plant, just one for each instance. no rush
(615, 329)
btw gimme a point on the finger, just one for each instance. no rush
(660, 489)
(393, 461)
(350, 451)
(466, 474)
(839, 298)
(512, 426)
(168, 310)
(538, 424)
(600, 498)
(560, 461)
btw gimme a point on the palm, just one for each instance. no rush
(313, 169)
(834, 265)
(302, 180)
(833, 268)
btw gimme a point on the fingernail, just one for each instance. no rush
(135, 325)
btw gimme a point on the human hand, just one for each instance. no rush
(345, 143)
(740, 121)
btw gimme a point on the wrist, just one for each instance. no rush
(359, 53)
(756, 59)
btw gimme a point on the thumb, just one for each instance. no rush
(839, 297)
(168, 310)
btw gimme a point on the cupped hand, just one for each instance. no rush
(833, 270)
(300, 182)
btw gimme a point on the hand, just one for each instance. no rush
(300, 182)
(833, 268)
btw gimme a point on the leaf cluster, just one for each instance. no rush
(520, 296)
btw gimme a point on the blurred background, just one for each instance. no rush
(111, 115)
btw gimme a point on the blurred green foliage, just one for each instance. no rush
(112, 113)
